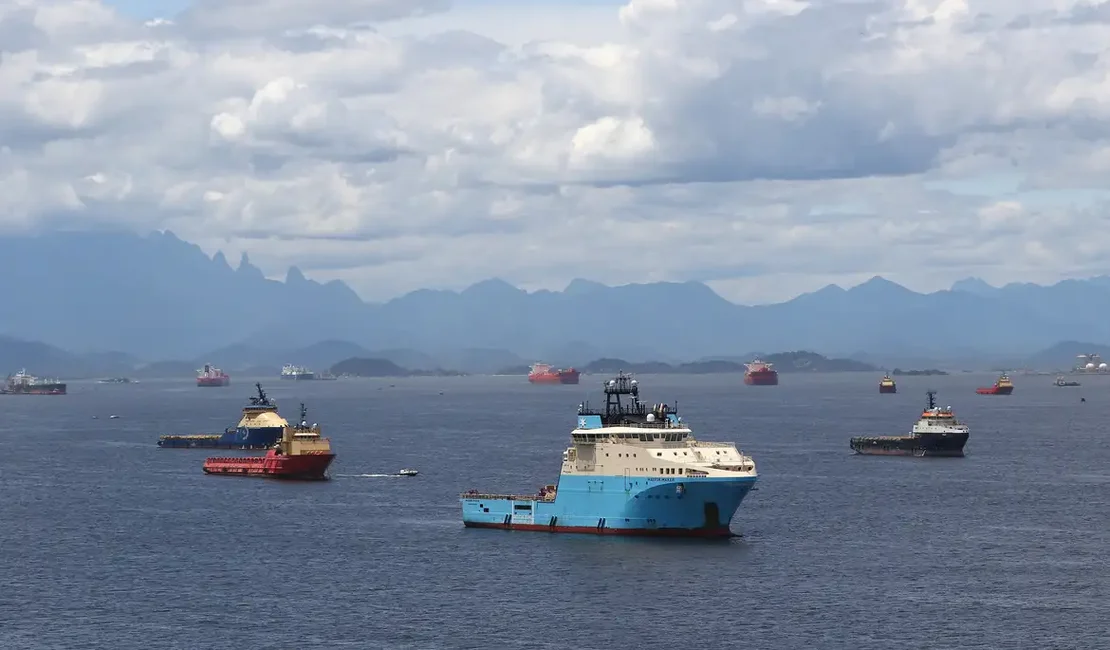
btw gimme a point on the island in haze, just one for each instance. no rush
(361, 367)
(929, 372)
(784, 362)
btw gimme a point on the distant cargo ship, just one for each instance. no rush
(116, 380)
(211, 376)
(887, 385)
(300, 373)
(296, 373)
(542, 373)
(1090, 363)
(937, 433)
(23, 383)
(1001, 387)
(301, 454)
(632, 469)
(760, 373)
(259, 428)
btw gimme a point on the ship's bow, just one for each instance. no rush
(700, 507)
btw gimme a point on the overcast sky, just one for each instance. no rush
(766, 147)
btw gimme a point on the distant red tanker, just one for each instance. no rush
(542, 373)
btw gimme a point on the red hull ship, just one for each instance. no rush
(301, 454)
(542, 373)
(1001, 387)
(761, 374)
(211, 376)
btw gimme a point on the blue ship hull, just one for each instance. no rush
(241, 438)
(617, 505)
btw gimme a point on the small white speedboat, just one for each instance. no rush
(407, 472)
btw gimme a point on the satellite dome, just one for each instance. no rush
(634, 382)
(651, 417)
(612, 383)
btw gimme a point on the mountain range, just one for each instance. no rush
(122, 298)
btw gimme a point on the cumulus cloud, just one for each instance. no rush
(765, 146)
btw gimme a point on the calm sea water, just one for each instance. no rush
(110, 542)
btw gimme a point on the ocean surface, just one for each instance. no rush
(110, 542)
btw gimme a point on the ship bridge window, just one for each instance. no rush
(522, 506)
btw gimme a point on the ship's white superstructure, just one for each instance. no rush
(651, 452)
(939, 420)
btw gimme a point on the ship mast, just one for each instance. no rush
(622, 385)
(932, 399)
(261, 400)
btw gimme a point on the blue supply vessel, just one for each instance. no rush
(259, 428)
(630, 470)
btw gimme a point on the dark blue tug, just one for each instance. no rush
(259, 428)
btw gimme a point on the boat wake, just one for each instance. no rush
(369, 475)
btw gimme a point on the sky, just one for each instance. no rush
(764, 147)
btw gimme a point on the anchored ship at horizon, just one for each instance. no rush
(1003, 386)
(212, 377)
(936, 433)
(294, 372)
(632, 469)
(761, 373)
(887, 385)
(24, 383)
(543, 373)
(1090, 363)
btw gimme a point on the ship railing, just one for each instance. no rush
(658, 424)
(718, 445)
(244, 459)
(508, 497)
(733, 467)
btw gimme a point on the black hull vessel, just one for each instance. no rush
(919, 445)
(937, 433)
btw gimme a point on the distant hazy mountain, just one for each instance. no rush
(157, 297)
(46, 360)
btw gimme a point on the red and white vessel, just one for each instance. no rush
(760, 373)
(542, 373)
(1001, 387)
(300, 454)
(210, 375)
